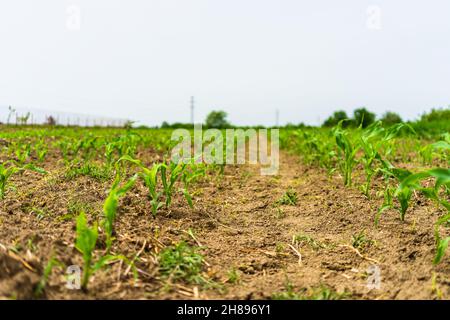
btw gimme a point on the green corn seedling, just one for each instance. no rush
(109, 153)
(150, 177)
(438, 149)
(110, 206)
(41, 152)
(411, 182)
(6, 172)
(195, 172)
(85, 243)
(441, 243)
(23, 153)
(86, 240)
(376, 144)
(403, 195)
(151, 181)
(387, 204)
(5, 175)
(168, 180)
(64, 148)
(176, 171)
(52, 263)
(346, 153)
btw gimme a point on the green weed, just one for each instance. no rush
(288, 198)
(182, 262)
(321, 292)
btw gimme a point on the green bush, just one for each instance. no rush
(363, 117)
(391, 118)
(336, 118)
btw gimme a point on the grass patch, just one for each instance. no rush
(182, 262)
(321, 292)
(302, 239)
(75, 206)
(234, 276)
(360, 241)
(96, 172)
(288, 198)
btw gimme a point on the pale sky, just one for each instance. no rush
(143, 59)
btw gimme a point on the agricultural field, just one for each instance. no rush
(351, 214)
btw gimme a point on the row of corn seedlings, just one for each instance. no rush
(374, 150)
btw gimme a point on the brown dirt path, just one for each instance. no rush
(256, 238)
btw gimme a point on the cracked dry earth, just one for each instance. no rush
(237, 221)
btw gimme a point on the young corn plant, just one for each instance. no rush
(409, 182)
(110, 148)
(442, 185)
(413, 182)
(7, 171)
(85, 243)
(388, 203)
(441, 243)
(41, 150)
(110, 206)
(437, 149)
(169, 180)
(376, 144)
(151, 182)
(52, 263)
(64, 147)
(150, 177)
(346, 153)
(403, 195)
(193, 172)
(23, 153)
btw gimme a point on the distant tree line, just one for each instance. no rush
(364, 118)
(361, 117)
(218, 119)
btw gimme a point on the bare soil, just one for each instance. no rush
(239, 226)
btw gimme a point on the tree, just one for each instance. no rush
(390, 118)
(23, 119)
(217, 119)
(335, 118)
(363, 117)
(128, 124)
(437, 115)
(50, 121)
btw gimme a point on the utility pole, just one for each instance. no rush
(192, 109)
(277, 118)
